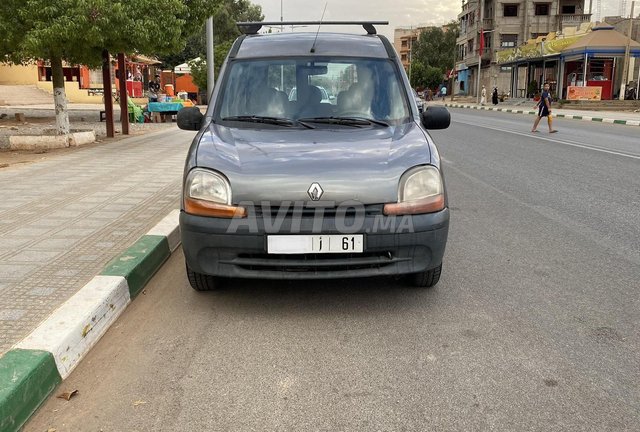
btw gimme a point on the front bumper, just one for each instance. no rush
(393, 246)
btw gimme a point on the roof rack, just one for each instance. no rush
(253, 27)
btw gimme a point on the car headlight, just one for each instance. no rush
(207, 193)
(420, 191)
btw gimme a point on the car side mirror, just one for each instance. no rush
(435, 117)
(190, 118)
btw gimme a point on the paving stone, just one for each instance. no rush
(108, 215)
(63, 214)
(14, 242)
(33, 256)
(14, 271)
(11, 314)
(30, 231)
(42, 291)
(73, 232)
(48, 223)
(54, 244)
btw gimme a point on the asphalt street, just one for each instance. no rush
(534, 326)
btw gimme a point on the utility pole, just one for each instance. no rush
(481, 35)
(122, 82)
(282, 66)
(211, 80)
(625, 67)
(410, 52)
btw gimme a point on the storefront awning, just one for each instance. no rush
(603, 41)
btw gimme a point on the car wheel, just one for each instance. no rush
(427, 279)
(201, 282)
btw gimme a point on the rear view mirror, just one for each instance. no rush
(190, 118)
(435, 117)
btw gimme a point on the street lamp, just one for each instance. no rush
(625, 67)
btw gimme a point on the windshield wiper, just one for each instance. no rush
(280, 121)
(347, 121)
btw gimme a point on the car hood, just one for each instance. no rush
(280, 164)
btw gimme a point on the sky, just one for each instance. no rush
(399, 13)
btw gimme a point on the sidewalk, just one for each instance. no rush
(63, 219)
(617, 117)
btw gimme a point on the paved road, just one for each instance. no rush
(64, 218)
(535, 324)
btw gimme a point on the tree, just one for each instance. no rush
(77, 31)
(199, 65)
(436, 47)
(418, 76)
(433, 77)
(225, 31)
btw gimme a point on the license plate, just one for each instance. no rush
(318, 243)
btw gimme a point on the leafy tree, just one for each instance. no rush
(433, 77)
(436, 47)
(199, 65)
(77, 31)
(225, 31)
(418, 76)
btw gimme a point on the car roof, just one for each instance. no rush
(300, 44)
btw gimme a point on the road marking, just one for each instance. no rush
(568, 143)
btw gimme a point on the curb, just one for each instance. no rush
(36, 142)
(34, 367)
(567, 116)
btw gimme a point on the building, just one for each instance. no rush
(403, 40)
(506, 25)
(82, 84)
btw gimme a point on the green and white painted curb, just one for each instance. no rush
(33, 368)
(568, 116)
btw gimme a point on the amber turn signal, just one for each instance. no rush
(205, 208)
(427, 205)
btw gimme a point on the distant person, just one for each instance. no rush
(544, 110)
(154, 89)
(443, 92)
(483, 96)
(494, 96)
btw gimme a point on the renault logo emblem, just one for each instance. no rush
(315, 191)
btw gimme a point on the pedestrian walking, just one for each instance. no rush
(544, 110)
(483, 96)
(443, 92)
(429, 94)
(494, 96)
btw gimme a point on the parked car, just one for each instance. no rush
(419, 101)
(281, 189)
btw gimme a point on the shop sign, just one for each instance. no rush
(584, 93)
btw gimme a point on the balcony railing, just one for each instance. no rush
(487, 23)
(575, 19)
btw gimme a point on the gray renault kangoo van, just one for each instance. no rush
(337, 179)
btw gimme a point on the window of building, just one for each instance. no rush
(510, 10)
(487, 42)
(569, 9)
(505, 68)
(508, 40)
(404, 57)
(542, 8)
(404, 44)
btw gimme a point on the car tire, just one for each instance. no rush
(427, 279)
(201, 282)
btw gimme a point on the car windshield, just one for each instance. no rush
(292, 89)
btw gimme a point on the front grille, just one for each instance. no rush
(289, 211)
(314, 262)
